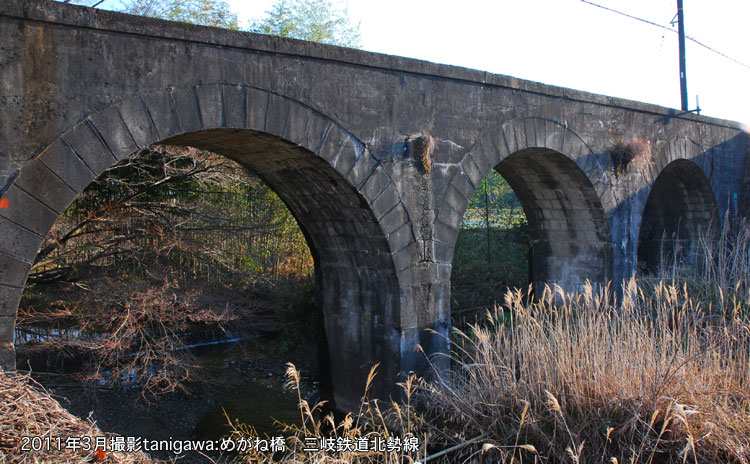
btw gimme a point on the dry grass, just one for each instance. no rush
(391, 421)
(659, 373)
(655, 377)
(27, 410)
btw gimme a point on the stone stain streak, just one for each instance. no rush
(340, 134)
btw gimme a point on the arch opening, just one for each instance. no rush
(568, 232)
(568, 227)
(492, 249)
(679, 211)
(355, 281)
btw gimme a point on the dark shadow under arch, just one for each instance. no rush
(568, 227)
(680, 207)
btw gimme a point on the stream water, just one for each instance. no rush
(262, 401)
(244, 381)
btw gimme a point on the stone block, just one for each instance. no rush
(491, 153)
(554, 136)
(137, 119)
(185, 103)
(509, 139)
(363, 168)
(65, 164)
(573, 146)
(316, 131)
(448, 215)
(334, 139)
(462, 184)
(519, 132)
(159, 105)
(7, 331)
(385, 202)
(211, 104)
(455, 200)
(297, 126)
(401, 237)
(28, 212)
(375, 184)
(9, 298)
(18, 241)
(394, 219)
(110, 126)
(233, 97)
(348, 155)
(477, 154)
(278, 115)
(7, 355)
(13, 271)
(529, 129)
(39, 181)
(444, 233)
(404, 258)
(472, 171)
(256, 108)
(540, 132)
(443, 254)
(86, 143)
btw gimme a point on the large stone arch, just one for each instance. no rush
(346, 203)
(550, 168)
(680, 208)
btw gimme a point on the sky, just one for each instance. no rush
(570, 43)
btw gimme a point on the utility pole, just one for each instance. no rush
(683, 72)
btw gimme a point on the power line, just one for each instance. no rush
(724, 55)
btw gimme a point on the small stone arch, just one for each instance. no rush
(549, 167)
(679, 210)
(347, 204)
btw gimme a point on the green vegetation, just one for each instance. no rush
(312, 20)
(214, 13)
(492, 248)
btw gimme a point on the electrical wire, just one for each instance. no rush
(724, 55)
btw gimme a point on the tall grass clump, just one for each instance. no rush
(656, 373)
(388, 423)
(655, 376)
(722, 264)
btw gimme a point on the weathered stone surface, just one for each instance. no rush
(185, 102)
(332, 131)
(111, 127)
(28, 212)
(87, 145)
(18, 241)
(13, 271)
(159, 107)
(211, 103)
(138, 121)
(9, 298)
(6, 332)
(233, 97)
(7, 351)
(47, 187)
(61, 160)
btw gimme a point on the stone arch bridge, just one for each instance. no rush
(376, 156)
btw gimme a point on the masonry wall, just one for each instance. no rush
(82, 88)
